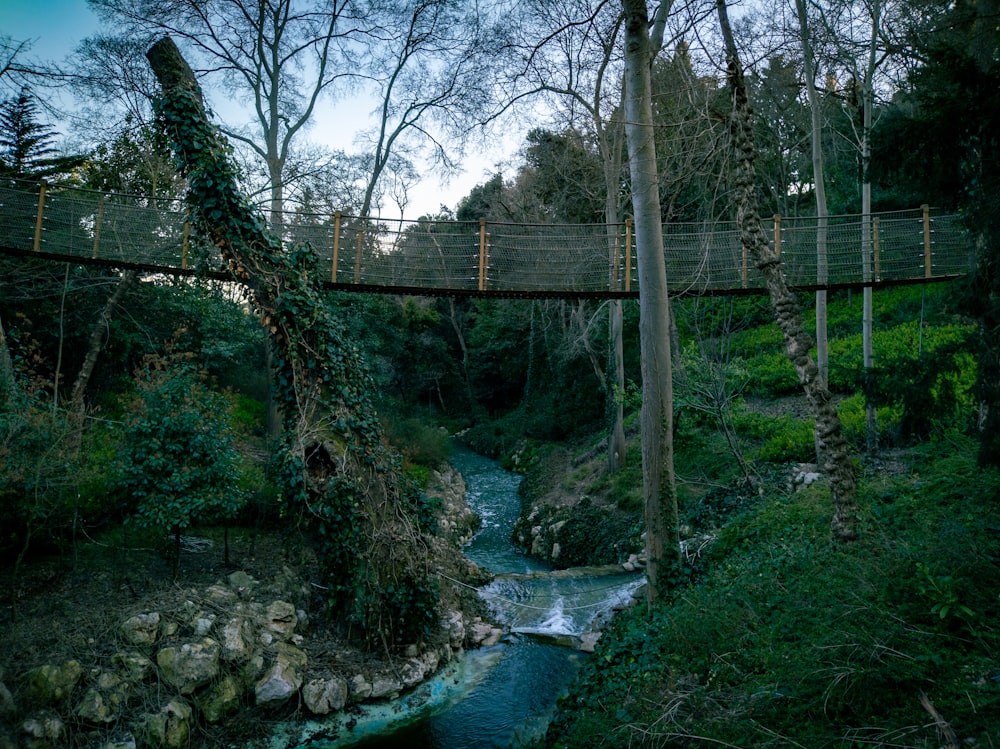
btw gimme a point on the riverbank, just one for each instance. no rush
(109, 651)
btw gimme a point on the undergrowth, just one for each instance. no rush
(787, 640)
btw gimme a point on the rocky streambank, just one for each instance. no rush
(199, 665)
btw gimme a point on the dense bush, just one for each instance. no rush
(178, 463)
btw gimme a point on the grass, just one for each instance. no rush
(785, 639)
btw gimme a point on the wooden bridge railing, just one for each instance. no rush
(502, 259)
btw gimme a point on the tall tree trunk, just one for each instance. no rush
(659, 486)
(837, 461)
(819, 187)
(867, 314)
(6, 367)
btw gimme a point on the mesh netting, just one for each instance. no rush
(500, 258)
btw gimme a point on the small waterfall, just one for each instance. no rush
(503, 696)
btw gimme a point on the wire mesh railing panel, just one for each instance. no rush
(542, 258)
(502, 258)
(18, 213)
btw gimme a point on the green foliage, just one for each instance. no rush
(335, 469)
(787, 639)
(782, 439)
(178, 462)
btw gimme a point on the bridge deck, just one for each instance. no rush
(490, 259)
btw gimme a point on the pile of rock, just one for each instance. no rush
(231, 645)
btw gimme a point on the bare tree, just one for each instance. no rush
(278, 58)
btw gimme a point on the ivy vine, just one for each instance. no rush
(364, 512)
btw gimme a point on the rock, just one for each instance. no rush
(220, 595)
(385, 686)
(412, 673)
(191, 665)
(281, 619)
(240, 582)
(284, 678)
(44, 728)
(324, 696)
(50, 683)
(220, 700)
(102, 703)
(141, 629)
(588, 641)
(203, 625)
(237, 636)
(455, 625)
(556, 551)
(134, 666)
(359, 689)
(169, 728)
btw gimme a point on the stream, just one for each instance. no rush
(505, 695)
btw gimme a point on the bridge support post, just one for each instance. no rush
(185, 245)
(336, 246)
(41, 215)
(628, 255)
(483, 255)
(97, 225)
(876, 249)
(926, 210)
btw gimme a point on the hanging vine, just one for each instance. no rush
(335, 466)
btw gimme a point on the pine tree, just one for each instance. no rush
(27, 146)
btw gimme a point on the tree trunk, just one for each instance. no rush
(6, 367)
(659, 487)
(837, 461)
(96, 337)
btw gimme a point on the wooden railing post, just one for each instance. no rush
(628, 255)
(482, 254)
(777, 235)
(875, 248)
(743, 265)
(41, 215)
(97, 225)
(616, 259)
(357, 255)
(926, 209)
(336, 246)
(185, 244)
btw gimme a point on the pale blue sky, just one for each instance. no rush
(54, 27)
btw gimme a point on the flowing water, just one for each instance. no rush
(504, 695)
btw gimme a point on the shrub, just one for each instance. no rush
(178, 462)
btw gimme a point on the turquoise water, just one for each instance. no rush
(502, 696)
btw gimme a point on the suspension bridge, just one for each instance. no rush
(453, 258)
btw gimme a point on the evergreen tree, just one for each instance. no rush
(27, 146)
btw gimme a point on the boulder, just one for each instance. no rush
(141, 629)
(167, 729)
(50, 683)
(385, 686)
(220, 700)
(103, 701)
(190, 665)
(284, 678)
(237, 639)
(324, 696)
(588, 641)
(43, 729)
(359, 689)
(133, 666)
(220, 594)
(280, 620)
